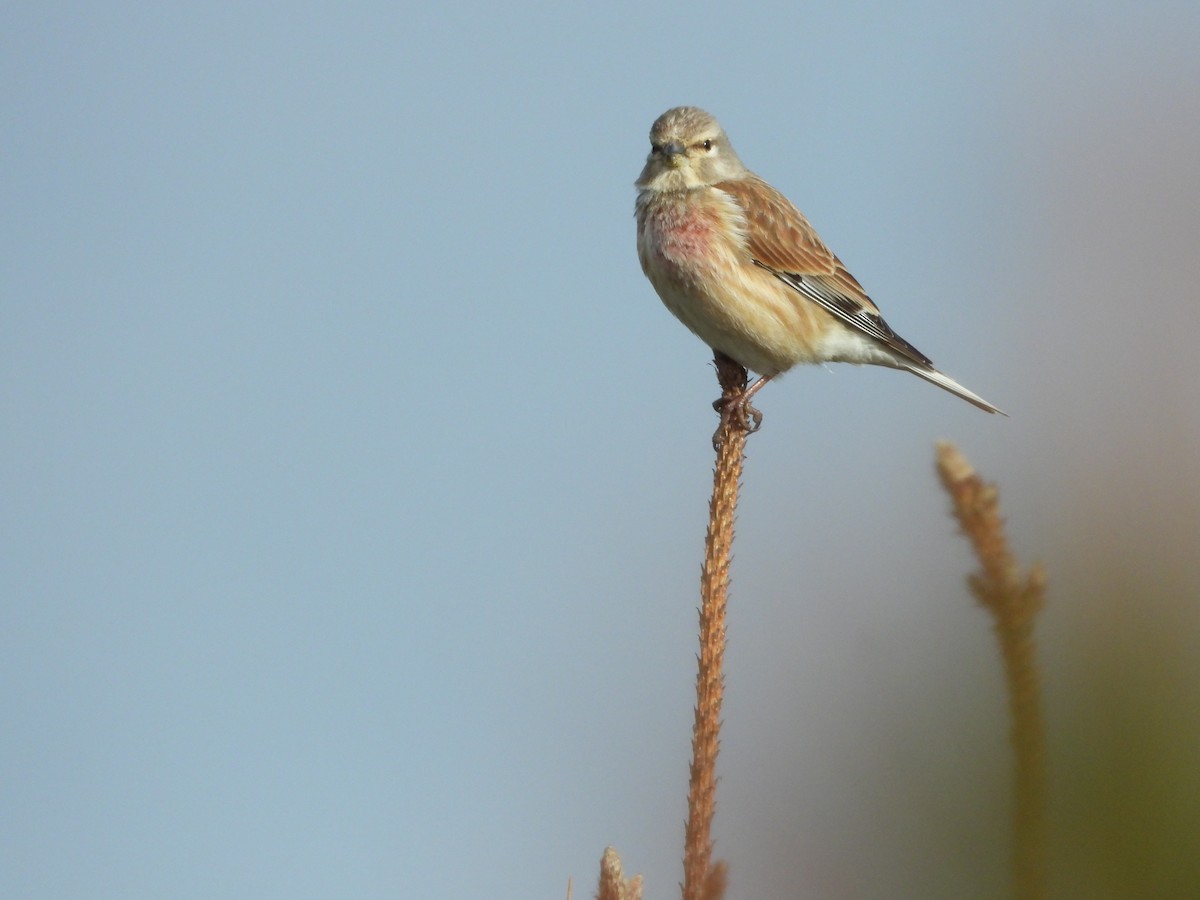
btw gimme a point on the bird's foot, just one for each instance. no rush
(736, 412)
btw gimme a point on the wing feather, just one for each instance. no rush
(782, 241)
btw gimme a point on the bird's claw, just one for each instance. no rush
(736, 412)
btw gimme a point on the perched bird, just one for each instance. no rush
(740, 266)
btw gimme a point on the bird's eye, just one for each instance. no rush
(707, 145)
(655, 150)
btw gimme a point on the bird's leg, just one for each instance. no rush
(750, 392)
(735, 408)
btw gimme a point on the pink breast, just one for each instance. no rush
(682, 235)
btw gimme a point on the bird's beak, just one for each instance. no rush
(675, 154)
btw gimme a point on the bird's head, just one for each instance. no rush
(688, 149)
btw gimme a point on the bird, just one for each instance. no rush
(738, 263)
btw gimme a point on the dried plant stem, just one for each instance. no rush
(702, 879)
(613, 884)
(1014, 600)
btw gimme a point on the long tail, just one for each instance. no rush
(946, 383)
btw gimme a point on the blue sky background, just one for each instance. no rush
(353, 480)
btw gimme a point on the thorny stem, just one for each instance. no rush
(702, 879)
(1014, 600)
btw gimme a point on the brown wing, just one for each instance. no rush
(782, 241)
